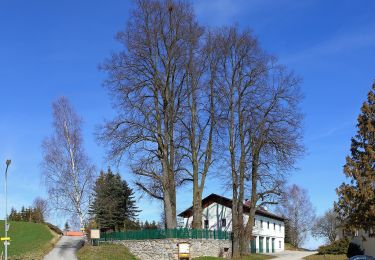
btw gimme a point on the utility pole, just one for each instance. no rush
(6, 212)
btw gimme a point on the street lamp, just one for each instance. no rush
(6, 213)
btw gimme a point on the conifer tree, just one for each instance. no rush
(356, 203)
(114, 203)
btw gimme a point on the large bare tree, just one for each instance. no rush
(240, 69)
(199, 120)
(67, 171)
(275, 138)
(147, 81)
(260, 125)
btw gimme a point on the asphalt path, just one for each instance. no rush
(65, 249)
(293, 255)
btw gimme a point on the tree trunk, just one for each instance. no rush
(248, 233)
(170, 212)
(197, 207)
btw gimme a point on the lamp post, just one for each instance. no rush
(6, 212)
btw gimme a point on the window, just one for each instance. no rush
(223, 222)
(274, 226)
(261, 224)
(206, 224)
(254, 222)
(268, 225)
(279, 244)
(279, 227)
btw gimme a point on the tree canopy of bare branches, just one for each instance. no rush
(179, 89)
(326, 226)
(296, 207)
(67, 171)
(260, 124)
(148, 83)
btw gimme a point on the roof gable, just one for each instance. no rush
(212, 198)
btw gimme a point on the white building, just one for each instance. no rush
(361, 238)
(268, 231)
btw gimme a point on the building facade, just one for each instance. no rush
(268, 230)
(361, 238)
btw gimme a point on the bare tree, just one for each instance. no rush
(40, 205)
(199, 122)
(275, 138)
(67, 171)
(148, 84)
(300, 213)
(260, 123)
(241, 67)
(326, 226)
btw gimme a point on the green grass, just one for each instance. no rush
(28, 240)
(326, 257)
(105, 252)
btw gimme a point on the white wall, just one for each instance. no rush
(216, 212)
(367, 244)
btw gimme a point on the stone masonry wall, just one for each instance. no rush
(167, 249)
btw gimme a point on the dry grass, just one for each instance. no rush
(105, 252)
(292, 248)
(326, 257)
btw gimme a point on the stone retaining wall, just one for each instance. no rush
(167, 249)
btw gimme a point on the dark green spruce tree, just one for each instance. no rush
(113, 207)
(356, 203)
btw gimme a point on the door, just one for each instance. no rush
(273, 245)
(261, 244)
(267, 245)
(253, 245)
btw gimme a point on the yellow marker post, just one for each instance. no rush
(5, 239)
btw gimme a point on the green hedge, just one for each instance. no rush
(339, 247)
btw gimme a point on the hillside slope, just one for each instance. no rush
(28, 240)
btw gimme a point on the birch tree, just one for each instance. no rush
(67, 170)
(147, 81)
(298, 209)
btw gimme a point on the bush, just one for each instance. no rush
(338, 247)
(353, 250)
(54, 228)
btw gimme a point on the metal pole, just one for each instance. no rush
(6, 211)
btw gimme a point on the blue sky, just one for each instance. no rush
(53, 48)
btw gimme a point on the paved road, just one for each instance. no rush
(65, 249)
(293, 255)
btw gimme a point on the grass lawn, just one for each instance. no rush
(249, 257)
(28, 240)
(105, 252)
(326, 257)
